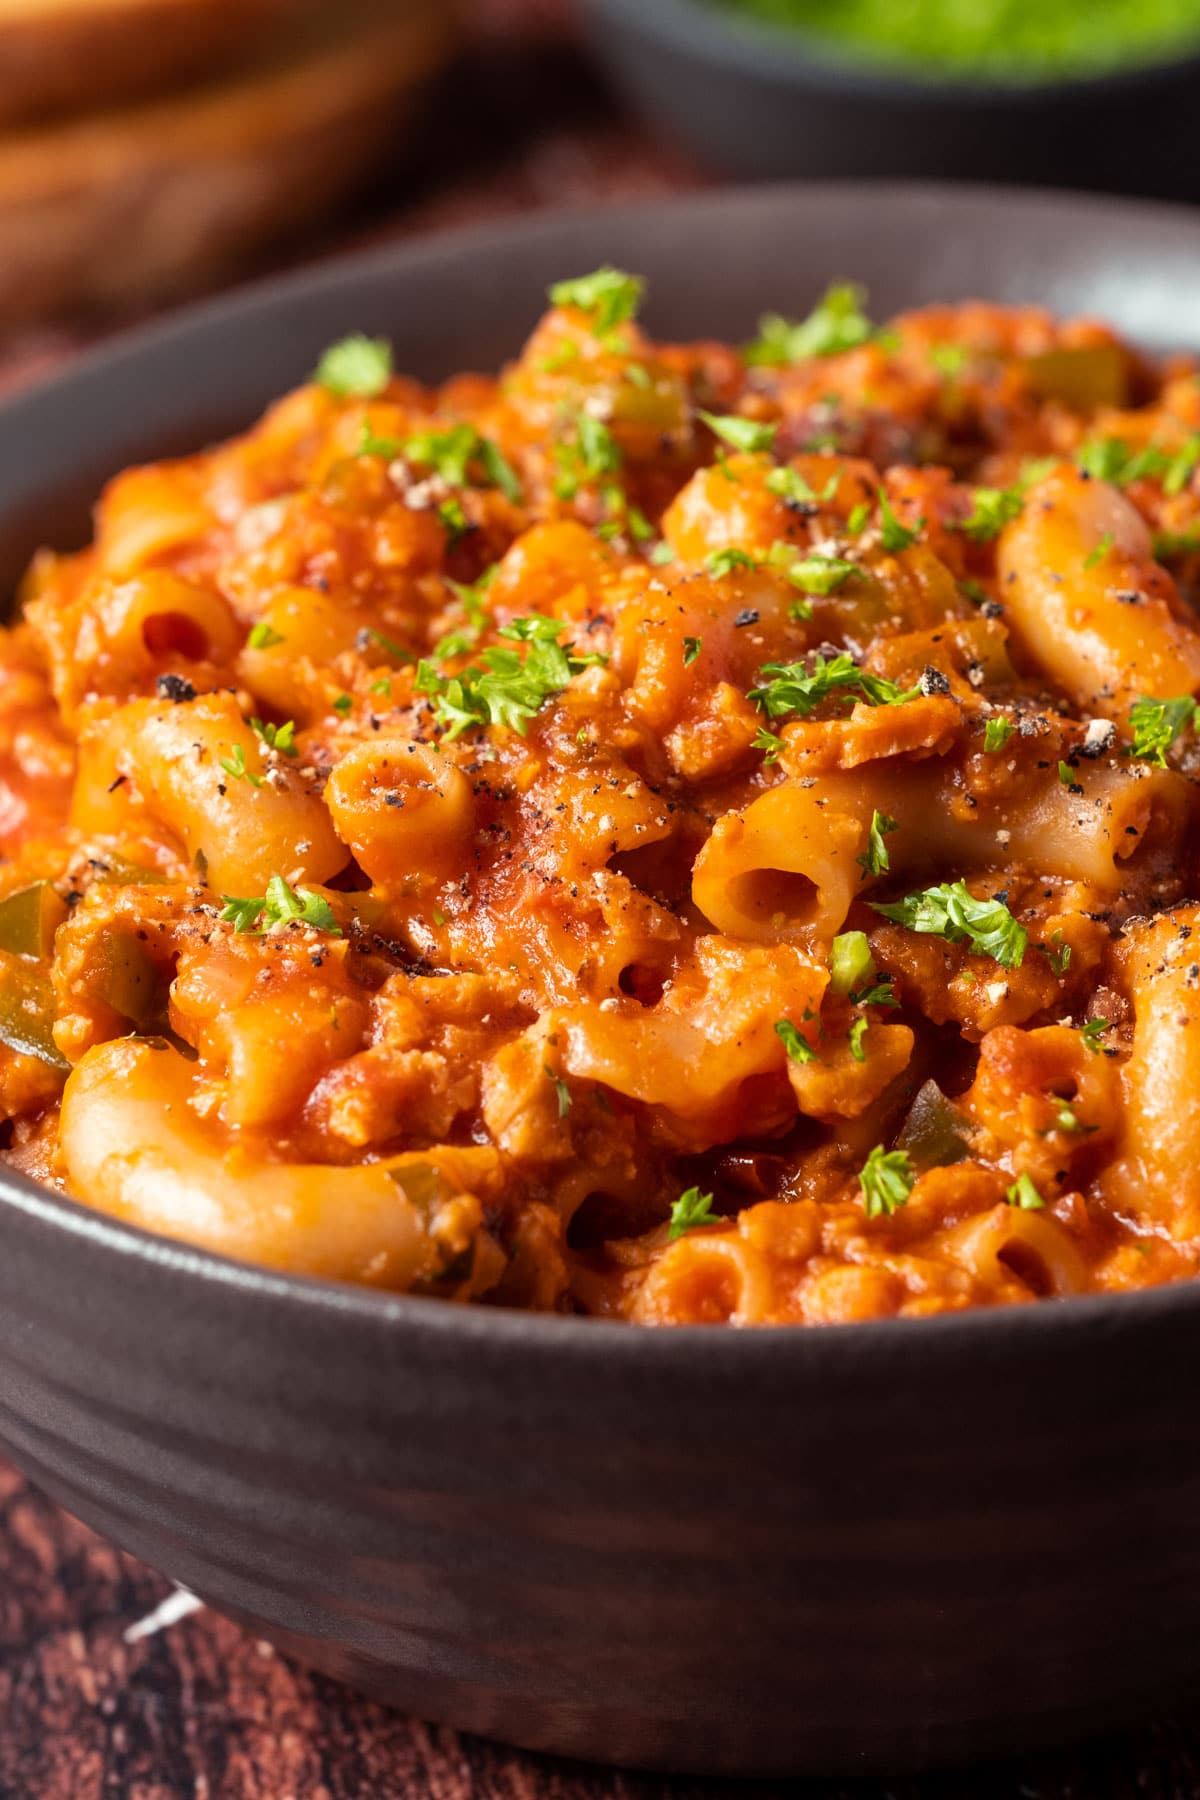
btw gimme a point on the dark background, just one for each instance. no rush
(201, 1711)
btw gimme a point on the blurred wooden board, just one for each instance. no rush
(80, 55)
(139, 203)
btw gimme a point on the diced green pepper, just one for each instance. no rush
(128, 981)
(27, 1012)
(29, 918)
(936, 1131)
(1092, 375)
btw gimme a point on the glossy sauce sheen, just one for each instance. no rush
(444, 832)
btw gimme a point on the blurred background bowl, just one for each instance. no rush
(765, 102)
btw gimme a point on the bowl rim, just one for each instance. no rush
(1019, 1328)
(793, 54)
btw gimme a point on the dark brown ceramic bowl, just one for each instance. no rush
(759, 101)
(864, 1548)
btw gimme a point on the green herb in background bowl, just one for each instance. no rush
(1015, 41)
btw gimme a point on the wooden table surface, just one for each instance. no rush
(198, 1710)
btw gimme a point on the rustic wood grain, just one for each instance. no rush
(201, 1711)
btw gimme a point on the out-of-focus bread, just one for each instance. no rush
(139, 203)
(82, 55)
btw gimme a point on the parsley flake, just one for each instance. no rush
(857, 1032)
(767, 741)
(691, 650)
(1097, 555)
(896, 536)
(874, 859)
(1156, 724)
(277, 737)
(740, 434)
(788, 484)
(836, 323)
(886, 1179)
(263, 638)
(357, 368)
(795, 688)
(794, 1042)
(608, 296)
(509, 689)
(561, 1090)
(1024, 1195)
(280, 905)
(1092, 1032)
(991, 510)
(235, 765)
(723, 562)
(850, 961)
(996, 734)
(692, 1209)
(952, 912)
(585, 456)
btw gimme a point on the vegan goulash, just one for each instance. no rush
(677, 832)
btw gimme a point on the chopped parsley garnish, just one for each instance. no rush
(1066, 775)
(991, 510)
(280, 905)
(949, 359)
(1156, 724)
(1057, 954)
(857, 1033)
(235, 766)
(561, 1091)
(739, 433)
(996, 734)
(794, 1042)
(1067, 1119)
(661, 555)
(809, 570)
(691, 650)
(769, 742)
(874, 859)
(952, 912)
(277, 737)
(1024, 1195)
(796, 688)
(1096, 555)
(886, 1179)
(608, 296)
(836, 323)
(1093, 1031)
(690, 1210)
(370, 632)
(1176, 543)
(451, 454)
(1178, 472)
(587, 456)
(723, 562)
(895, 535)
(509, 689)
(788, 484)
(850, 961)
(451, 513)
(372, 443)
(358, 368)
(262, 637)
(342, 704)
(1113, 460)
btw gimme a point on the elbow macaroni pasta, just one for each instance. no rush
(672, 833)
